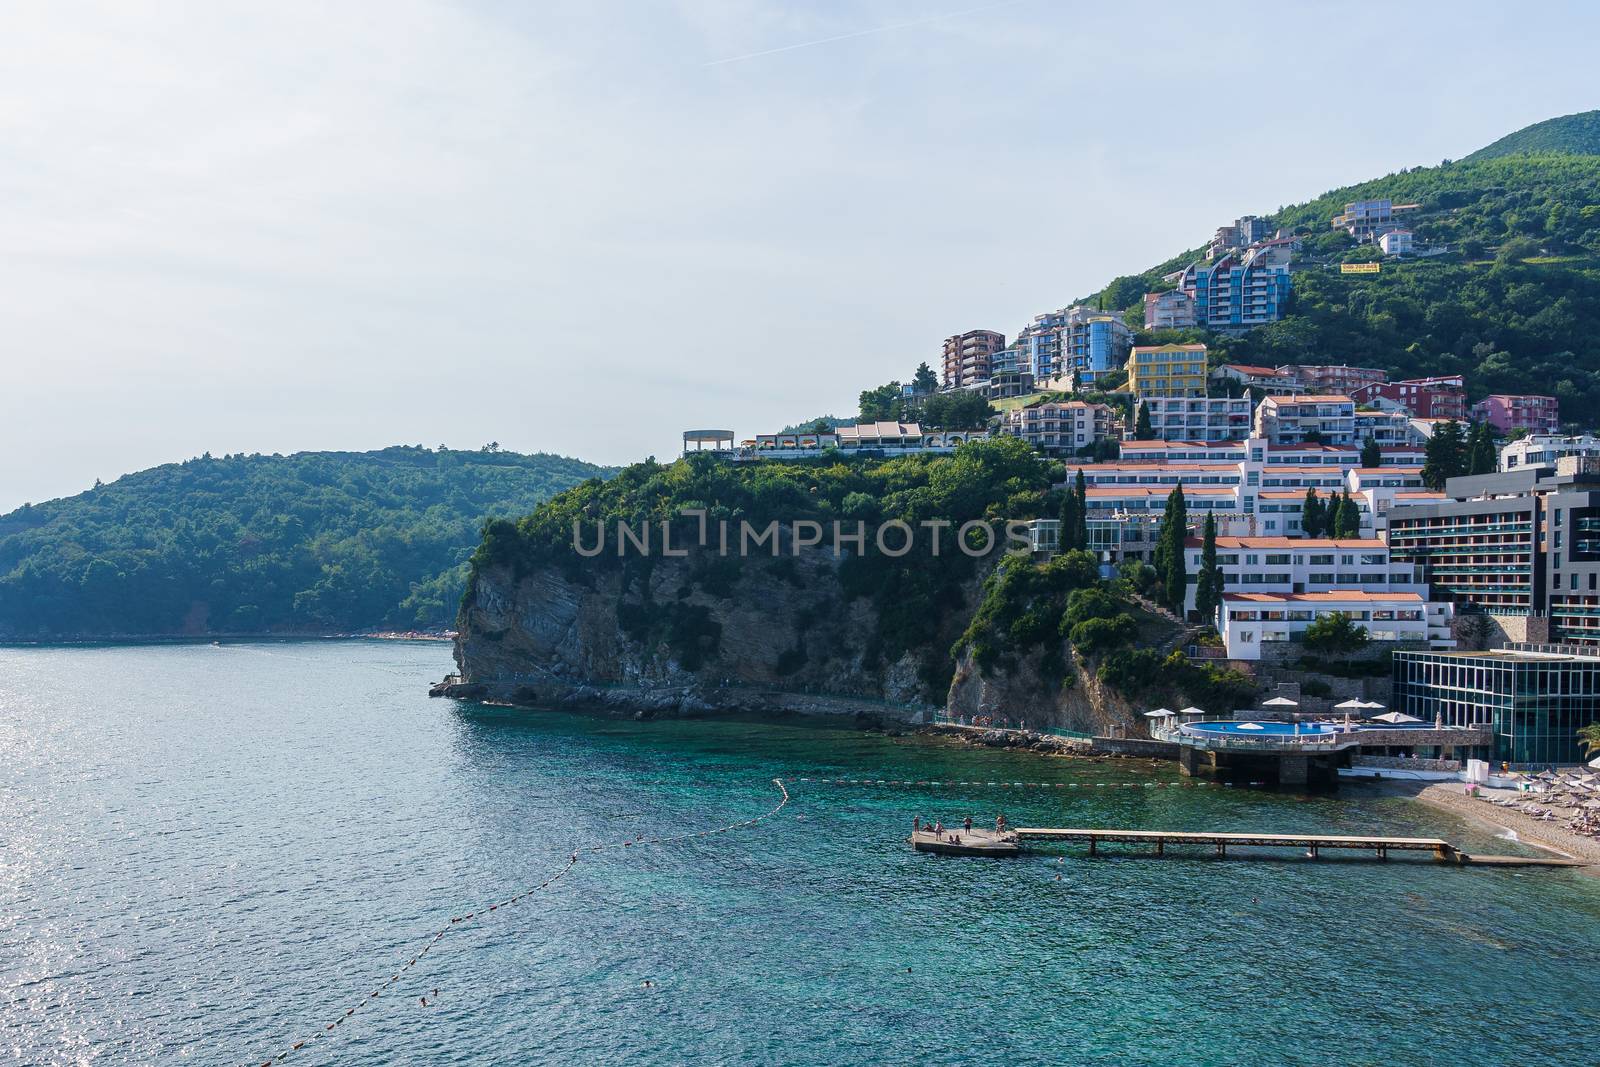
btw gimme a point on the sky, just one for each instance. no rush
(585, 227)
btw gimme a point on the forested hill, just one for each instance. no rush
(1571, 134)
(1512, 300)
(316, 542)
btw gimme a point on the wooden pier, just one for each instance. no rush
(989, 843)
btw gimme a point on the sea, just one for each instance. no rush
(213, 854)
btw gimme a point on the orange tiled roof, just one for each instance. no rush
(1332, 595)
(1306, 543)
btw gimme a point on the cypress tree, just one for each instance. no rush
(1142, 430)
(1080, 530)
(1311, 515)
(1444, 456)
(1482, 457)
(1069, 518)
(1174, 531)
(1350, 518)
(1371, 454)
(1208, 587)
(1334, 518)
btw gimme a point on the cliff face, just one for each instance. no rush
(671, 638)
(765, 636)
(1080, 702)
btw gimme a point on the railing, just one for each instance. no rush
(1195, 737)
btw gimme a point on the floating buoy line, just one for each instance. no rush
(566, 868)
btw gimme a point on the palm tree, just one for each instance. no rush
(1589, 738)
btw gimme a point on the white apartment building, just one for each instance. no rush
(1326, 417)
(1543, 449)
(1060, 428)
(1391, 429)
(1249, 620)
(1304, 565)
(1205, 419)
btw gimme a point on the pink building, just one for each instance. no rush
(1536, 414)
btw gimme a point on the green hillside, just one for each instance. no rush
(313, 542)
(1577, 135)
(1513, 303)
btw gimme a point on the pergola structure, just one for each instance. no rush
(716, 440)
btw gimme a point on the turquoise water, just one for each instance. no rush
(207, 853)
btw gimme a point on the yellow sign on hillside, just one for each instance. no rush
(1359, 268)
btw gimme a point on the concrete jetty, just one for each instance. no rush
(1010, 843)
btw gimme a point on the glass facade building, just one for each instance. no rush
(1534, 702)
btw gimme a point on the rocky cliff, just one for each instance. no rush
(691, 636)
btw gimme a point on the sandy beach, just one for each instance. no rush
(1552, 835)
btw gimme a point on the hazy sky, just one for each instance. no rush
(582, 227)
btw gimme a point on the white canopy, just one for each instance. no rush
(1280, 702)
(1159, 713)
(1352, 705)
(1251, 726)
(1395, 716)
(1192, 711)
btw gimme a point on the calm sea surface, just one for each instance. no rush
(209, 853)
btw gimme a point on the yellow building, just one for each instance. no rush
(1167, 370)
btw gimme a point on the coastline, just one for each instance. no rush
(81, 641)
(1549, 836)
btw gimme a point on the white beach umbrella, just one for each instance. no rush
(1595, 763)
(1251, 726)
(1280, 702)
(1192, 711)
(1395, 717)
(1159, 713)
(1351, 705)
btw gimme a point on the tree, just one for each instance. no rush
(1444, 456)
(1349, 517)
(1142, 430)
(1481, 455)
(1208, 587)
(958, 410)
(1312, 517)
(1080, 529)
(1336, 633)
(1069, 519)
(883, 404)
(1170, 551)
(924, 381)
(1371, 454)
(1589, 738)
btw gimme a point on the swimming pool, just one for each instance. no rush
(1262, 729)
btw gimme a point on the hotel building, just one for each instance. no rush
(1167, 371)
(1288, 565)
(1523, 544)
(1061, 428)
(1542, 450)
(1535, 414)
(1216, 418)
(1288, 420)
(1533, 701)
(1248, 621)
(1427, 398)
(969, 357)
